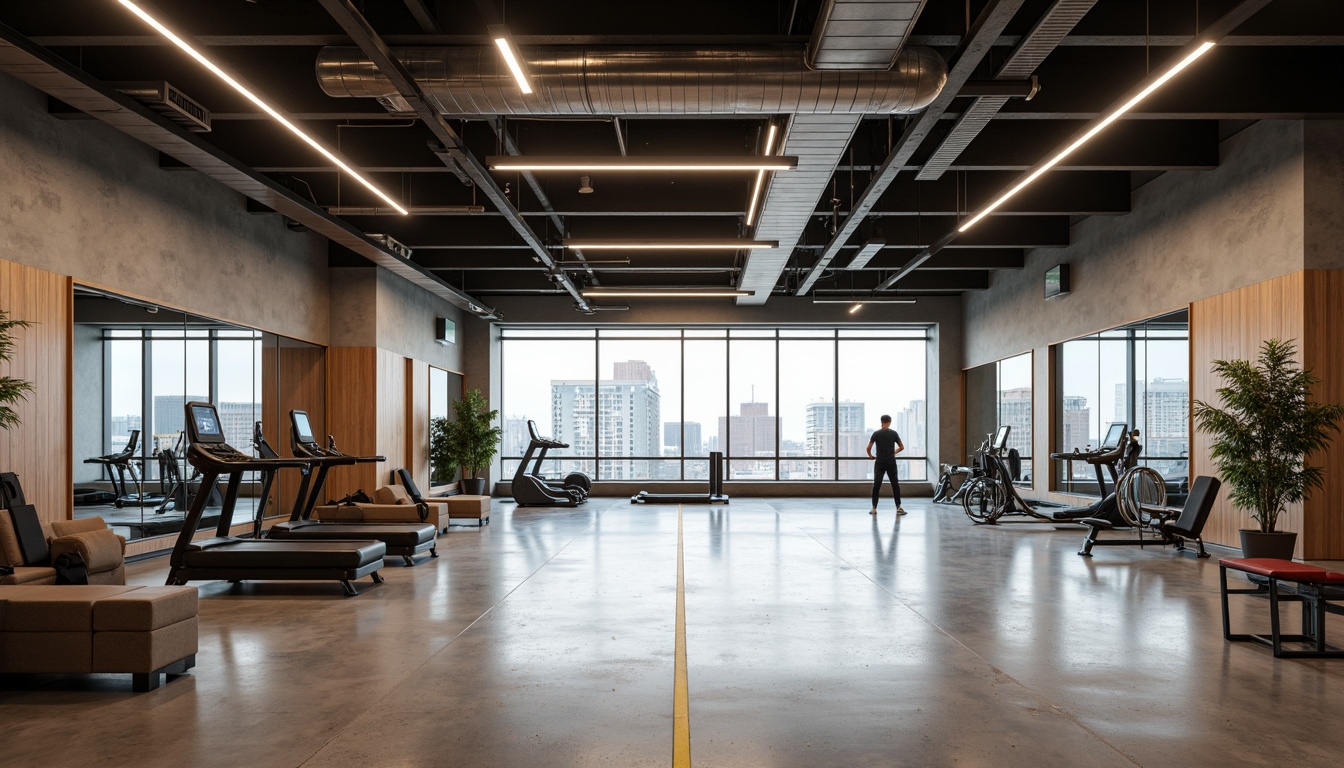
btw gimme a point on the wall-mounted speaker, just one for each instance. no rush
(445, 331)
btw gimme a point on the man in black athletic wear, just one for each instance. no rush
(884, 463)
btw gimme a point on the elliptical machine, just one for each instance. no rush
(1118, 453)
(531, 489)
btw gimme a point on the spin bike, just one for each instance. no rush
(993, 496)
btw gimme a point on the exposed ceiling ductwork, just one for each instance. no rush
(640, 81)
(861, 34)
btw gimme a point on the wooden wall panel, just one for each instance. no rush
(352, 401)
(1232, 325)
(301, 386)
(417, 421)
(39, 449)
(392, 410)
(1321, 343)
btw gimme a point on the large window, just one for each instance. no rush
(650, 403)
(1000, 393)
(1137, 375)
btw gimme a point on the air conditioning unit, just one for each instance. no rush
(170, 102)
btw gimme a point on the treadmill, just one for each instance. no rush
(1116, 453)
(224, 557)
(404, 540)
(714, 496)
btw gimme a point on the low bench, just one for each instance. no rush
(83, 629)
(1317, 589)
(465, 506)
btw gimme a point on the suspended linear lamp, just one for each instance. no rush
(586, 163)
(508, 51)
(718, 244)
(760, 177)
(275, 114)
(697, 293)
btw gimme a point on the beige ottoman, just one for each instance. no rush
(74, 629)
(475, 507)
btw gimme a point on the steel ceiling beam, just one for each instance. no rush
(40, 68)
(378, 51)
(1215, 32)
(977, 44)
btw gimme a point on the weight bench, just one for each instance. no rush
(1166, 526)
(1318, 589)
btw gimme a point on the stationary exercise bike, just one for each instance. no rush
(533, 489)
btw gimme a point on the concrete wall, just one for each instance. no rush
(1191, 235)
(1323, 186)
(87, 405)
(944, 374)
(405, 322)
(81, 198)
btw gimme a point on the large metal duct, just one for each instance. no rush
(640, 81)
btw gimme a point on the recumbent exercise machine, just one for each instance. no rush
(532, 489)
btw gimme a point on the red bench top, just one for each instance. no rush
(1282, 569)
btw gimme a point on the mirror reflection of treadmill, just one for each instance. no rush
(402, 539)
(228, 558)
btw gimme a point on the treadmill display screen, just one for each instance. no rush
(1001, 437)
(303, 430)
(1114, 435)
(206, 422)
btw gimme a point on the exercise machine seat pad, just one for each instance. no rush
(393, 534)
(212, 553)
(1097, 522)
(1287, 570)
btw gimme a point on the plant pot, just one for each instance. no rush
(1278, 544)
(473, 486)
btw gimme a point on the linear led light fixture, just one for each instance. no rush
(854, 300)
(1093, 131)
(255, 99)
(760, 177)
(866, 253)
(726, 244)
(663, 293)
(504, 42)
(594, 163)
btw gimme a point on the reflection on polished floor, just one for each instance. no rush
(816, 635)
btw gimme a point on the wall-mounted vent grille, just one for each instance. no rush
(170, 102)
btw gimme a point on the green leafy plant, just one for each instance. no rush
(1266, 430)
(12, 390)
(469, 442)
(441, 466)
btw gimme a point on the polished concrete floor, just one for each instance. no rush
(816, 636)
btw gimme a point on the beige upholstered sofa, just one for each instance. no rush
(79, 629)
(103, 551)
(391, 504)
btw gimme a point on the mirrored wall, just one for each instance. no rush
(445, 388)
(136, 364)
(1000, 393)
(1138, 375)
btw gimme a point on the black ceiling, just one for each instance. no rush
(1285, 61)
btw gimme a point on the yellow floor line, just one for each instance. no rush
(681, 704)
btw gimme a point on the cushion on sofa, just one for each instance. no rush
(29, 574)
(391, 494)
(64, 608)
(145, 608)
(101, 549)
(10, 554)
(84, 525)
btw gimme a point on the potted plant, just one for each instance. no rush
(441, 467)
(12, 390)
(471, 441)
(1262, 438)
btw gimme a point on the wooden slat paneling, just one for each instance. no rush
(39, 449)
(352, 405)
(1234, 325)
(1323, 321)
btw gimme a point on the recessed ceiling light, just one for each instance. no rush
(261, 104)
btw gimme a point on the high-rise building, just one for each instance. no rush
(516, 438)
(749, 434)
(672, 436)
(170, 418)
(1076, 431)
(1165, 405)
(611, 418)
(1015, 411)
(821, 438)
